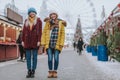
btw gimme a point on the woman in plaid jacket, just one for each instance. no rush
(53, 37)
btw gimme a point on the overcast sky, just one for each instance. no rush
(24, 4)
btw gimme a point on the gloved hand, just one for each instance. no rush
(38, 43)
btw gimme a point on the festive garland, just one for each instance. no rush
(101, 39)
(113, 44)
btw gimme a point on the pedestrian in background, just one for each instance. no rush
(74, 45)
(21, 49)
(31, 39)
(53, 37)
(80, 45)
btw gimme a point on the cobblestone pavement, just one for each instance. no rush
(71, 67)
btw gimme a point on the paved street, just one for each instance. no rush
(90, 24)
(72, 67)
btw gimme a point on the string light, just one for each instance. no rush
(17, 28)
(4, 24)
(13, 27)
(9, 26)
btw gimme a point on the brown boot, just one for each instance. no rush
(54, 74)
(50, 75)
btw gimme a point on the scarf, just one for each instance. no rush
(54, 23)
(31, 22)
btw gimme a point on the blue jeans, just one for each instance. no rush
(31, 57)
(53, 53)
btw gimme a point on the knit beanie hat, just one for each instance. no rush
(32, 10)
(54, 14)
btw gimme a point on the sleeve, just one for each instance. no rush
(62, 32)
(82, 43)
(23, 32)
(43, 38)
(78, 44)
(18, 40)
(39, 30)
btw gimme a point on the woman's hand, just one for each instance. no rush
(38, 43)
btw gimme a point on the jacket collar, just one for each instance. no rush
(27, 23)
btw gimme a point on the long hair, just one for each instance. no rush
(80, 38)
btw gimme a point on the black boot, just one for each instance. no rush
(29, 74)
(32, 73)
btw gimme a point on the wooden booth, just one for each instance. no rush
(9, 30)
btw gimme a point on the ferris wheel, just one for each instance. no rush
(71, 10)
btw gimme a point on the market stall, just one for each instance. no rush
(9, 30)
(108, 36)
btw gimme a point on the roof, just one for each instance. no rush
(4, 18)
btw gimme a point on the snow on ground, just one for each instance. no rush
(111, 69)
(7, 63)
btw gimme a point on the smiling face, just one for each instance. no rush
(32, 14)
(53, 16)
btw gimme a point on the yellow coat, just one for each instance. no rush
(46, 36)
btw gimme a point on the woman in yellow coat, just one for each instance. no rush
(53, 37)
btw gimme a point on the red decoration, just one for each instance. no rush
(111, 14)
(119, 5)
(109, 18)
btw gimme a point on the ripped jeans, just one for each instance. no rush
(53, 55)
